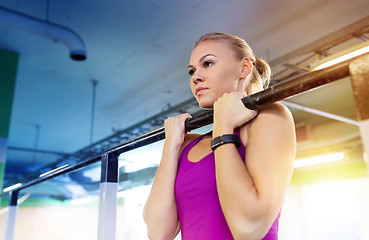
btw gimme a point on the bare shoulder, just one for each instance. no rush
(271, 117)
(273, 114)
(275, 121)
(276, 109)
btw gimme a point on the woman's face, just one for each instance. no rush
(214, 71)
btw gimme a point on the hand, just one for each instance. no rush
(230, 113)
(175, 129)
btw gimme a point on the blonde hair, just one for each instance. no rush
(261, 72)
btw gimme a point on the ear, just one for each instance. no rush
(245, 68)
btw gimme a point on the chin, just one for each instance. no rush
(204, 101)
(205, 105)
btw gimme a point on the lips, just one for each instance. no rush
(200, 90)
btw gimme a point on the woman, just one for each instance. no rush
(209, 189)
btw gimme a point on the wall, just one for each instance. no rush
(329, 210)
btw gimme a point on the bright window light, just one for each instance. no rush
(342, 58)
(80, 201)
(141, 192)
(140, 158)
(94, 174)
(319, 205)
(12, 187)
(76, 189)
(318, 160)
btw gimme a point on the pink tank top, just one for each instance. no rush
(199, 211)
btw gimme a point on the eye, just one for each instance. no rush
(207, 64)
(191, 72)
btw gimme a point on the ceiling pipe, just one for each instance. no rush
(57, 33)
(320, 113)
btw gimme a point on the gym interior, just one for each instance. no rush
(80, 80)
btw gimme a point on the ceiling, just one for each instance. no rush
(137, 52)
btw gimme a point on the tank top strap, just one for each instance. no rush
(196, 140)
(237, 131)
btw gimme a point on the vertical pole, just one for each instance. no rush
(92, 122)
(12, 215)
(108, 197)
(359, 72)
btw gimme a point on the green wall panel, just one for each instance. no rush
(8, 71)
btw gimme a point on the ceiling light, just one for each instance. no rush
(352, 52)
(318, 160)
(12, 187)
(54, 170)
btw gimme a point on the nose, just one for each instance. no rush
(196, 78)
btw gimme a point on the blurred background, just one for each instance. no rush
(89, 75)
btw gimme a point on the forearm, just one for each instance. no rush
(252, 192)
(160, 213)
(245, 210)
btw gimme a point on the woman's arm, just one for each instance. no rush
(252, 193)
(160, 211)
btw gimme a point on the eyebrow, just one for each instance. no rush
(202, 58)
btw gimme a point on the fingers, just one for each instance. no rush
(236, 95)
(175, 129)
(177, 120)
(230, 111)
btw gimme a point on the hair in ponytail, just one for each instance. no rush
(261, 72)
